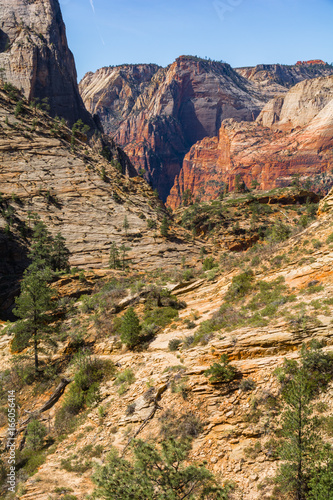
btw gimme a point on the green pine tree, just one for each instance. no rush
(59, 257)
(302, 446)
(156, 474)
(165, 227)
(123, 250)
(41, 241)
(130, 328)
(126, 225)
(114, 262)
(34, 307)
(36, 432)
(52, 251)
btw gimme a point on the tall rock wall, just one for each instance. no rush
(174, 108)
(299, 142)
(34, 56)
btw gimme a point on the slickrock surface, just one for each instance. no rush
(238, 425)
(76, 192)
(174, 107)
(298, 141)
(35, 56)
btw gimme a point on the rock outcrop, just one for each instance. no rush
(34, 56)
(174, 108)
(111, 92)
(278, 78)
(298, 143)
(75, 191)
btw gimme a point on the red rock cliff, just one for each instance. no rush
(271, 156)
(175, 108)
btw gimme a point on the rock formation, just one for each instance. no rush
(174, 108)
(75, 191)
(111, 92)
(278, 78)
(298, 143)
(34, 56)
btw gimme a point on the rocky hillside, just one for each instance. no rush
(162, 387)
(278, 78)
(174, 108)
(47, 170)
(34, 56)
(292, 137)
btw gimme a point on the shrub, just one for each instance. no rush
(124, 380)
(247, 385)
(187, 425)
(240, 286)
(209, 263)
(278, 233)
(221, 372)
(174, 344)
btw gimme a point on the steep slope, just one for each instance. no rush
(182, 104)
(34, 56)
(278, 78)
(298, 143)
(234, 426)
(44, 169)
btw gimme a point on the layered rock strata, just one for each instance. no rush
(293, 136)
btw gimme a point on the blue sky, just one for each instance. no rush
(240, 32)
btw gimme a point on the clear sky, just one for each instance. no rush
(240, 32)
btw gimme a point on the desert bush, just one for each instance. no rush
(221, 372)
(174, 344)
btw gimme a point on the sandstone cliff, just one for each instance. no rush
(112, 92)
(298, 143)
(35, 56)
(278, 78)
(75, 191)
(174, 107)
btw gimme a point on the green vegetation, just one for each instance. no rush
(84, 391)
(221, 372)
(164, 227)
(305, 472)
(36, 433)
(34, 308)
(130, 329)
(156, 473)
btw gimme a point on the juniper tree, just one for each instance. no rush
(36, 432)
(34, 307)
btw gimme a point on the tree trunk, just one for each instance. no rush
(36, 351)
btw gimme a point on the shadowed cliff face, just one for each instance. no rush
(297, 140)
(36, 58)
(165, 111)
